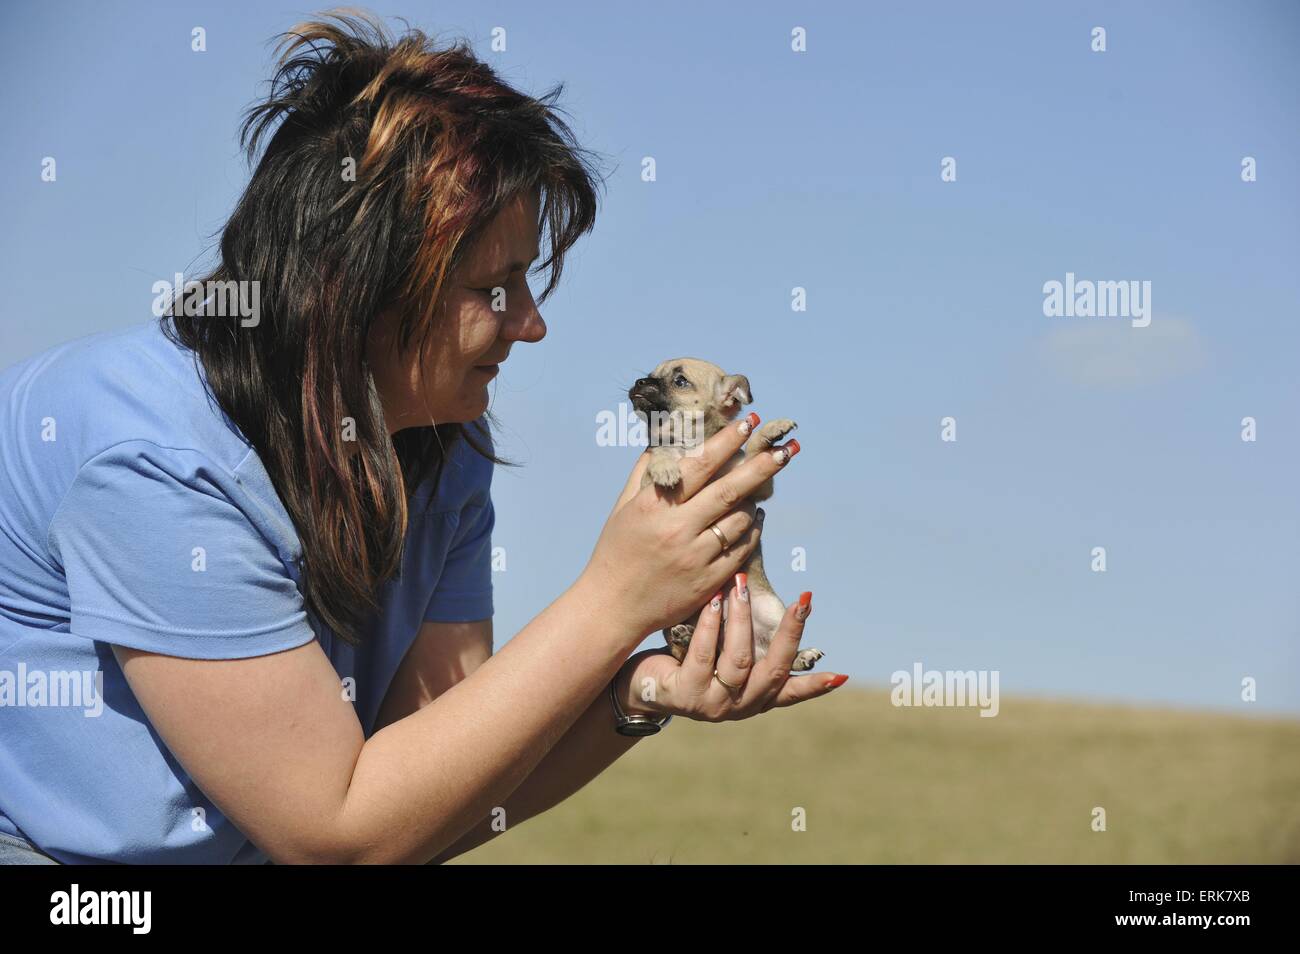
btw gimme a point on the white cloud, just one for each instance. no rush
(1111, 353)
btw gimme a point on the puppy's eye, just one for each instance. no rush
(681, 381)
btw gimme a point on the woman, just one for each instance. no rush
(243, 552)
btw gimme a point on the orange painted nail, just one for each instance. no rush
(794, 446)
(836, 682)
(753, 419)
(805, 606)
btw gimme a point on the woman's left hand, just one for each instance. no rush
(653, 683)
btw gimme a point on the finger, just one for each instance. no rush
(700, 463)
(798, 689)
(633, 481)
(701, 656)
(727, 563)
(734, 527)
(736, 660)
(734, 486)
(772, 671)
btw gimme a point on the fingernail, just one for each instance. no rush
(836, 681)
(749, 422)
(716, 602)
(742, 587)
(759, 514)
(805, 606)
(785, 452)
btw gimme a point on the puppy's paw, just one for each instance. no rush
(679, 639)
(805, 659)
(768, 434)
(664, 471)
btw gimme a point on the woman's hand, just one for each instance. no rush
(656, 555)
(654, 683)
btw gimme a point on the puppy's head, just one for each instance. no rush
(688, 388)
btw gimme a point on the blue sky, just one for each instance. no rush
(821, 169)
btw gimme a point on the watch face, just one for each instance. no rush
(638, 728)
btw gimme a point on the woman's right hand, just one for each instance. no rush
(657, 556)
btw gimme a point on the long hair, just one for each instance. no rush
(436, 146)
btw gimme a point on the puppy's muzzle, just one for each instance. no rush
(646, 395)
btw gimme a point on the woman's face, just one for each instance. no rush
(469, 336)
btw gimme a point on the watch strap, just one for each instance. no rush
(633, 725)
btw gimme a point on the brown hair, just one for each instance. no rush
(440, 146)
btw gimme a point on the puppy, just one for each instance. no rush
(685, 401)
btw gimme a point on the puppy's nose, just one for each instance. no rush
(645, 382)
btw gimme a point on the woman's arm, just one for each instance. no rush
(443, 655)
(309, 788)
(275, 743)
(587, 749)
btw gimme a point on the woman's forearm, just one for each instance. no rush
(422, 782)
(586, 750)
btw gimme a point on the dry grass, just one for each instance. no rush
(896, 785)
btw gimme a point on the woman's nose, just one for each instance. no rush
(529, 325)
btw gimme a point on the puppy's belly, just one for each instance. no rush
(766, 611)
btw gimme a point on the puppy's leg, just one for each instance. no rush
(678, 637)
(805, 659)
(763, 438)
(765, 607)
(767, 611)
(663, 469)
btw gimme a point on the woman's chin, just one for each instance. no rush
(470, 408)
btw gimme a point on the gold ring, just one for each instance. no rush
(724, 682)
(721, 537)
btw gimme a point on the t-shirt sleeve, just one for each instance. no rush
(464, 589)
(163, 552)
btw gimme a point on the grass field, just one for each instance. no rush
(898, 785)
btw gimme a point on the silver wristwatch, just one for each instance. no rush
(625, 724)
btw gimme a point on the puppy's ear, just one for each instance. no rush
(733, 391)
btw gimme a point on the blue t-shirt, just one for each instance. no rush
(132, 511)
